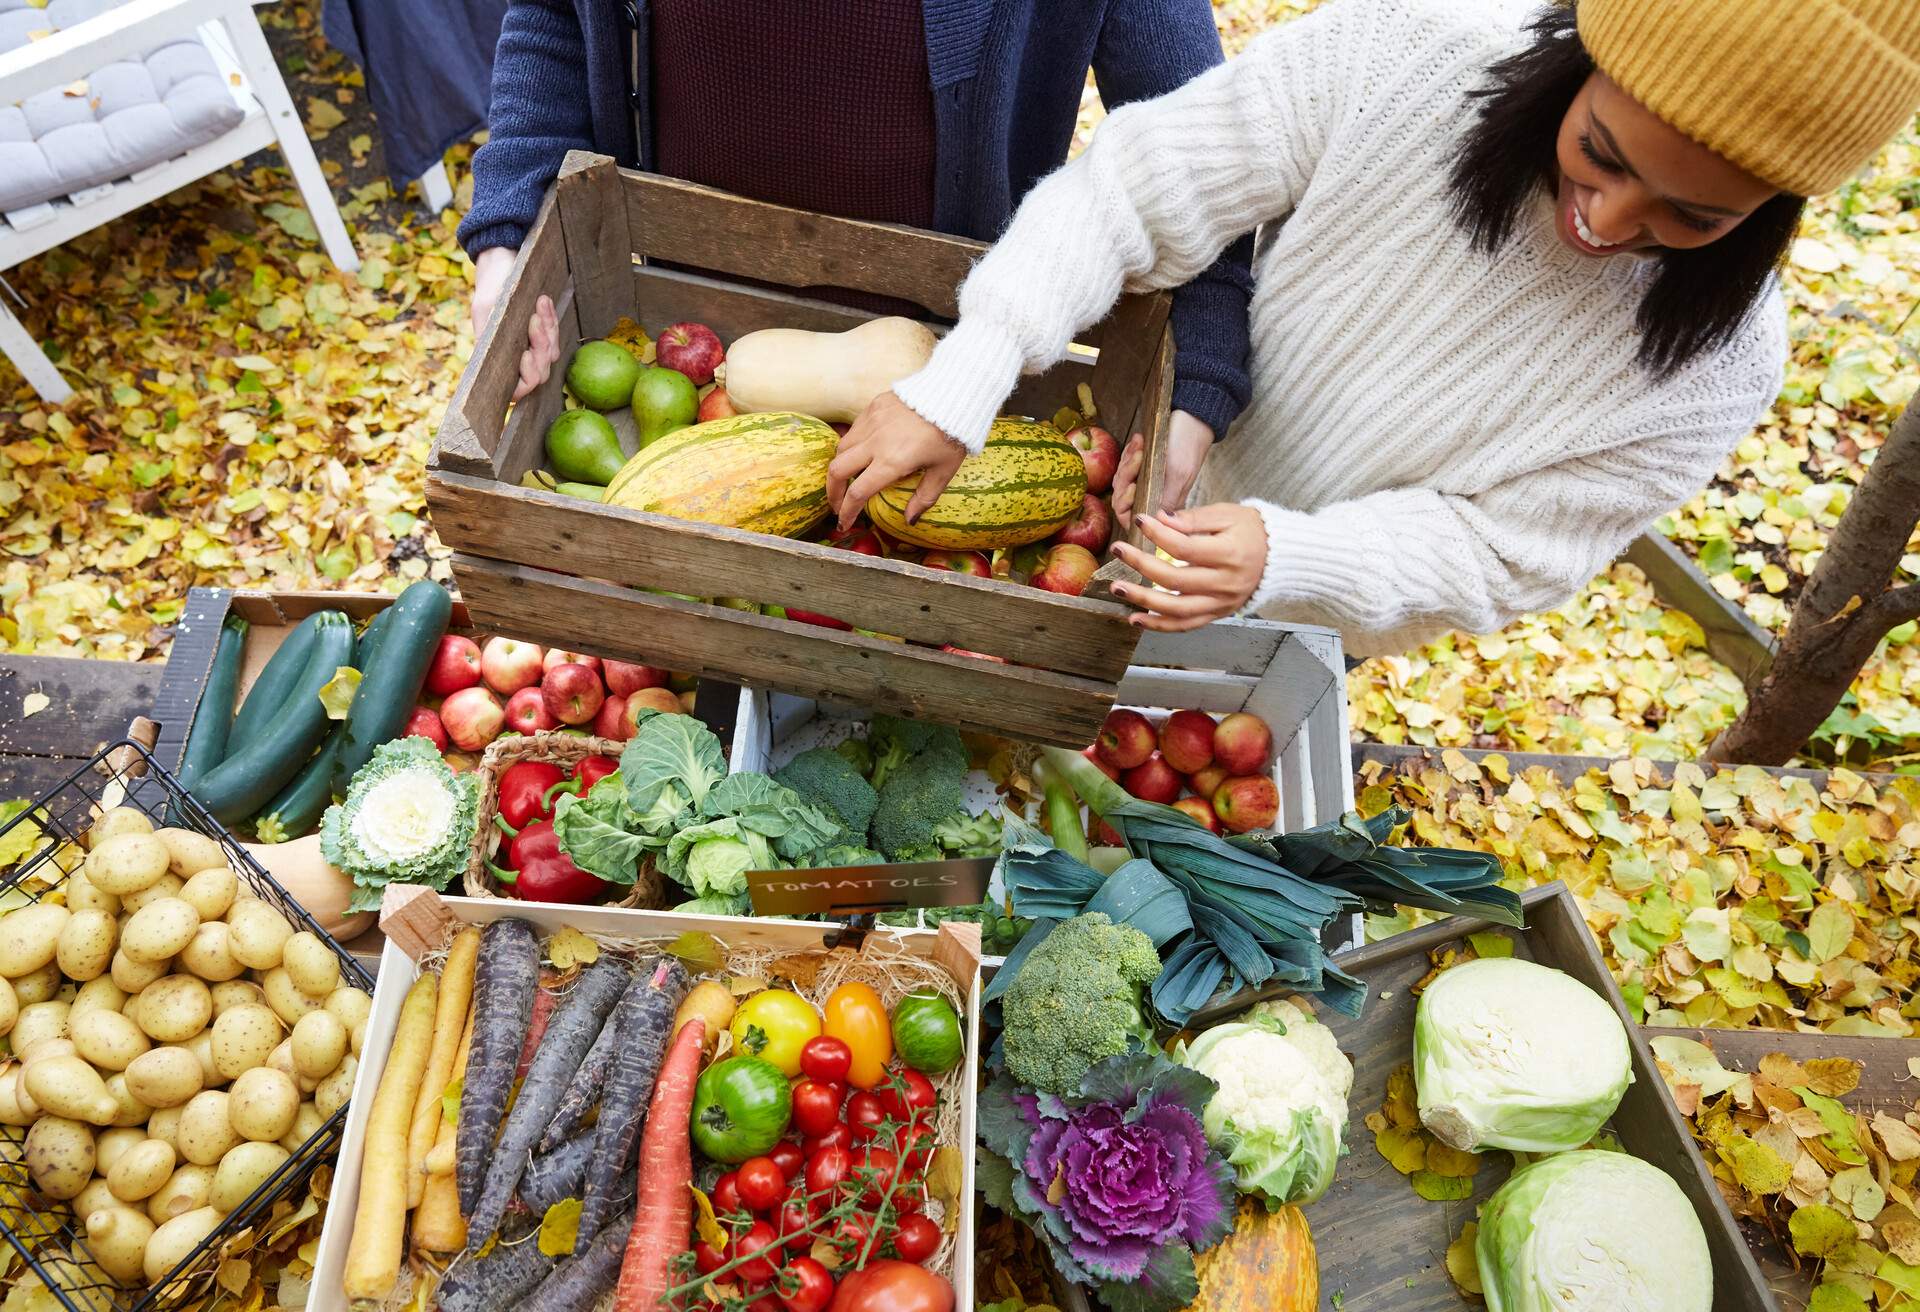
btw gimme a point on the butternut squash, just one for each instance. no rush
(298, 867)
(830, 376)
(1266, 1265)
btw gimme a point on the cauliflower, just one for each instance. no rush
(406, 819)
(1281, 1107)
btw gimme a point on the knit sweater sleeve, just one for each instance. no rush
(1164, 187)
(1525, 544)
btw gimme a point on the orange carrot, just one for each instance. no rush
(663, 1213)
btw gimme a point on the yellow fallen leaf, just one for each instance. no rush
(1835, 1077)
(570, 948)
(34, 703)
(1461, 1266)
(560, 1228)
(705, 1223)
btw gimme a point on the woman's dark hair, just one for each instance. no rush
(1699, 298)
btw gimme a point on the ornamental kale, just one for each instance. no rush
(1117, 1179)
(406, 819)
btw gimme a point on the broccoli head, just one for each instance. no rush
(927, 789)
(1076, 1001)
(961, 834)
(827, 779)
(895, 741)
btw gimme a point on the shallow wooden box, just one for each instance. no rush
(558, 569)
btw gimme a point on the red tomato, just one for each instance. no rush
(816, 1106)
(806, 1286)
(838, 1136)
(787, 1156)
(726, 1194)
(826, 1059)
(914, 1145)
(915, 1238)
(791, 1222)
(878, 1166)
(864, 1112)
(888, 1286)
(913, 1099)
(909, 1196)
(765, 1301)
(827, 1168)
(760, 1183)
(848, 1236)
(708, 1258)
(759, 1247)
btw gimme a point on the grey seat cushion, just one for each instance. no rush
(129, 114)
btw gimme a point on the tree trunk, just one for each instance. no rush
(1844, 611)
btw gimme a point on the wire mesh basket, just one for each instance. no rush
(44, 1231)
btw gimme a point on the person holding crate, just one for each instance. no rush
(1523, 302)
(934, 113)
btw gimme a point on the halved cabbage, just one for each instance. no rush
(1593, 1232)
(1510, 1054)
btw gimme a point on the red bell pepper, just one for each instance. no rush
(590, 771)
(538, 871)
(523, 795)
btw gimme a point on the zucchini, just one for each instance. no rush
(249, 778)
(296, 811)
(391, 679)
(213, 718)
(370, 638)
(269, 691)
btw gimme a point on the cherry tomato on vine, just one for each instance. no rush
(816, 1106)
(915, 1238)
(909, 1196)
(765, 1301)
(726, 1194)
(760, 1182)
(806, 1286)
(881, 1166)
(914, 1099)
(837, 1136)
(758, 1247)
(826, 1059)
(793, 1218)
(827, 1168)
(914, 1145)
(848, 1236)
(707, 1258)
(787, 1156)
(864, 1112)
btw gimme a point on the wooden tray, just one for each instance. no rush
(555, 568)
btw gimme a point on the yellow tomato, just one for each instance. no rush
(856, 1018)
(773, 1025)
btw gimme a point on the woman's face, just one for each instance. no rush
(1628, 182)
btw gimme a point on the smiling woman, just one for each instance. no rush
(1520, 300)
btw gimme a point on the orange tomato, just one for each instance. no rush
(854, 1015)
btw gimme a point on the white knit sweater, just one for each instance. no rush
(1438, 439)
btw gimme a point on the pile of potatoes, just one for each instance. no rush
(174, 1041)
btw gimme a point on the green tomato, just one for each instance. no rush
(926, 1033)
(741, 1107)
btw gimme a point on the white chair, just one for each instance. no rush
(232, 34)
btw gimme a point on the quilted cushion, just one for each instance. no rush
(130, 114)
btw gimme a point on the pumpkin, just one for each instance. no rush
(1026, 484)
(1265, 1265)
(830, 376)
(298, 867)
(763, 472)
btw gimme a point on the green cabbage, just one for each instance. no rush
(1510, 1054)
(712, 859)
(1593, 1232)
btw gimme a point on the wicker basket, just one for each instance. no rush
(564, 750)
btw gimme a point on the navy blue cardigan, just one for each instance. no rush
(1006, 78)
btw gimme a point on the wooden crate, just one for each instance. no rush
(554, 568)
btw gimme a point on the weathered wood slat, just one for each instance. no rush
(608, 621)
(1395, 756)
(90, 703)
(1732, 636)
(1884, 1079)
(522, 444)
(593, 220)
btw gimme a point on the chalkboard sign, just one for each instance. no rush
(848, 890)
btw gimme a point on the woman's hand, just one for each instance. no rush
(1224, 548)
(1188, 441)
(490, 272)
(887, 443)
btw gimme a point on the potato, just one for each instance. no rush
(314, 968)
(41, 1020)
(259, 933)
(189, 851)
(97, 995)
(205, 1132)
(9, 1006)
(165, 1077)
(29, 936)
(319, 1044)
(83, 896)
(337, 1088)
(12, 1110)
(127, 863)
(165, 1124)
(118, 1237)
(188, 1189)
(165, 886)
(94, 1197)
(108, 1145)
(287, 1001)
(201, 1046)
(175, 1239)
(306, 1123)
(60, 1156)
(67, 1086)
(106, 1038)
(281, 1059)
(243, 1038)
(120, 820)
(42, 985)
(132, 1110)
(210, 891)
(131, 976)
(84, 949)
(209, 955)
(173, 1009)
(262, 1104)
(56, 1045)
(244, 1169)
(141, 1171)
(160, 930)
(229, 994)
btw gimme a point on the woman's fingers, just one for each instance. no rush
(1176, 605)
(1168, 573)
(1126, 480)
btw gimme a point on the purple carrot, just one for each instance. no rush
(498, 1280)
(645, 1017)
(505, 978)
(581, 1280)
(583, 1090)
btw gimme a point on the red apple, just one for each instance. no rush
(425, 724)
(715, 405)
(952, 650)
(960, 562)
(1247, 802)
(860, 538)
(1243, 743)
(508, 665)
(573, 693)
(1105, 835)
(664, 700)
(1126, 739)
(1200, 809)
(610, 721)
(692, 348)
(1186, 740)
(1068, 570)
(1093, 754)
(455, 665)
(808, 617)
(1153, 780)
(473, 718)
(624, 679)
(1090, 528)
(555, 657)
(1101, 452)
(1029, 560)
(1205, 783)
(527, 711)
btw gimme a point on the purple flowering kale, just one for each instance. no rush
(1118, 1179)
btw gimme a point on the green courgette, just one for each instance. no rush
(391, 679)
(213, 718)
(269, 691)
(296, 811)
(250, 777)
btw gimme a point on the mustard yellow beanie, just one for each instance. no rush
(1800, 93)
